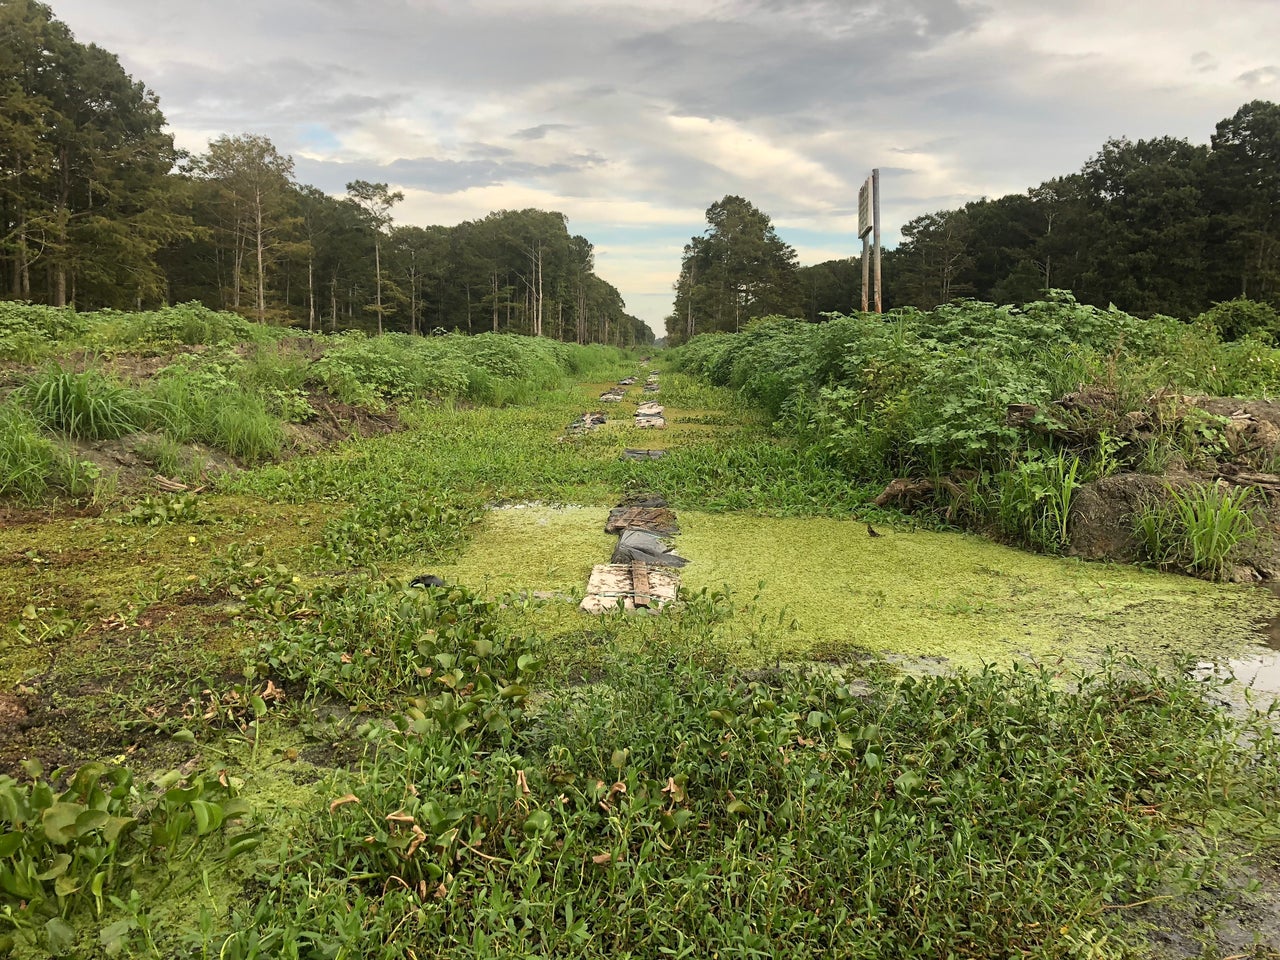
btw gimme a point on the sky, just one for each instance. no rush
(633, 116)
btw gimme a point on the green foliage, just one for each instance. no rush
(189, 324)
(86, 405)
(1240, 318)
(668, 805)
(381, 529)
(168, 508)
(200, 400)
(28, 461)
(928, 393)
(369, 642)
(1035, 498)
(1196, 528)
(29, 331)
(66, 852)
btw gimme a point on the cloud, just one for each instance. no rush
(633, 116)
(1261, 77)
(540, 131)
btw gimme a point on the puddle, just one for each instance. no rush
(1259, 670)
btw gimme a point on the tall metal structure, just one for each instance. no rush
(869, 226)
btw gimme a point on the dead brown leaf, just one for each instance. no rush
(343, 801)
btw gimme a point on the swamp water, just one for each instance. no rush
(819, 588)
(1257, 668)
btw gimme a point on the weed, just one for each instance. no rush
(1196, 529)
(84, 405)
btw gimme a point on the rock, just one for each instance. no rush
(1102, 512)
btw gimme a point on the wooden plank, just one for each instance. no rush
(640, 583)
(612, 584)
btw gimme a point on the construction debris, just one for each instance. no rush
(645, 547)
(629, 585)
(613, 395)
(634, 453)
(587, 422)
(649, 416)
(640, 576)
(626, 382)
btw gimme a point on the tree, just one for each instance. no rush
(737, 270)
(833, 286)
(934, 254)
(375, 201)
(1244, 186)
(255, 189)
(84, 168)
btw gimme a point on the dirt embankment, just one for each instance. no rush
(1245, 439)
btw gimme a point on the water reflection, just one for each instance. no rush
(1260, 669)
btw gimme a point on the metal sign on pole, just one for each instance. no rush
(864, 228)
(869, 225)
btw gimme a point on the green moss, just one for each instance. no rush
(533, 547)
(826, 584)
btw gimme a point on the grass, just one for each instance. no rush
(85, 405)
(1196, 529)
(475, 771)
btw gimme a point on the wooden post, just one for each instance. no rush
(875, 230)
(866, 273)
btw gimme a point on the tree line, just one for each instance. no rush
(99, 209)
(1160, 226)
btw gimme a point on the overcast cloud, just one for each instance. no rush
(633, 116)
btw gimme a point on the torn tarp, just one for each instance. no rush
(645, 547)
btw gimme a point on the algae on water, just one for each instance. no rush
(808, 587)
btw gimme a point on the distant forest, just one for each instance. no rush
(1158, 226)
(98, 209)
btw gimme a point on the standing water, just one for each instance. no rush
(1257, 670)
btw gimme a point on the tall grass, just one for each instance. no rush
(27, 460)
(1196, 529)
(85, 405)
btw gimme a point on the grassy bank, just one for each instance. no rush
(232, 729)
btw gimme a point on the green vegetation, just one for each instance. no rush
(343, 764)
(1009, 410)
(82, 405)
(1196, 529)
(66, 851)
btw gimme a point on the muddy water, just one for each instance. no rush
(1258, 670)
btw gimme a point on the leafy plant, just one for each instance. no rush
(367, 641)
(62, 852)
(169, 508)
(379, 529)
(1035, 499)
(84, 405)
(1196, 528)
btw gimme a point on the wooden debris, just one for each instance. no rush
(631, 585)
(1268, 482)
(660, 521)
(632, 453)
(174, 486)
(587, 422)
(640, 583)
(905, 491)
